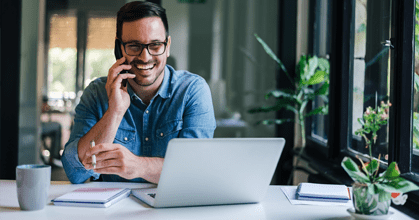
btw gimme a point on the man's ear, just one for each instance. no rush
(169, 42)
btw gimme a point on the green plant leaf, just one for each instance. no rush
(323, 90)
(371, 188)
(291, 108)
(324, 64)
(402, 185)
(269, 51)
(385, 187)
(309, 95)
(317, 78)
(275, 121)
(301, 68)
(353, 171)
(280, 94)
(372, 167)
(392, 171)
(289, 104)
(313, 64)
(319, 110)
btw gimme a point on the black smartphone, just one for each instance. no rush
(118, 55)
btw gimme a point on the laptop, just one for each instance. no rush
(218, 171)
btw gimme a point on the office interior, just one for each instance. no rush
(52, 49)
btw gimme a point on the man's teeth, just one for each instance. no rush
(145, 67)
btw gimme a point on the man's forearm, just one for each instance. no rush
(103, 131)
(152, 167)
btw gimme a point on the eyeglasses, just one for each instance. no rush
(154, 49)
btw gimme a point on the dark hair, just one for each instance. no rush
(133, 11)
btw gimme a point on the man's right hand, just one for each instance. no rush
(118, 97)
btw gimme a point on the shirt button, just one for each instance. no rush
(161, 134)
(146, 111)
(146, 139)
(125, 138)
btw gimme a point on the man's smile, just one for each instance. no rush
(145, 66)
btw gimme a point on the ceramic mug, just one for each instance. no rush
(33, 183)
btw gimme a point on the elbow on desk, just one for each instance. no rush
(75, 174)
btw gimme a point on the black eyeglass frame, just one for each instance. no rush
(145, 46)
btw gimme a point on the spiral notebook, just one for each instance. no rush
(92, 197)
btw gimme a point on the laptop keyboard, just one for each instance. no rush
(152, 195)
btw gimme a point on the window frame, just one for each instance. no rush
(315, 47)
(401, 116)
(340, 51)
(341, 88)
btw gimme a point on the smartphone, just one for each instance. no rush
(118, 55)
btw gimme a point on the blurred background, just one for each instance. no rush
(52, 49)
(65, 44)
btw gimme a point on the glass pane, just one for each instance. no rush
(416, 95)
(62, 57)
(101, 31)
(320, 123)
(371, 66)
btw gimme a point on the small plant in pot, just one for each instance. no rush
(372, 191)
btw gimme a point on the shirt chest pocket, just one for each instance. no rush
(125, 136)
(169, 130)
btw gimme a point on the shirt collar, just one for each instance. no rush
(164, 90)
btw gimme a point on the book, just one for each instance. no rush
(323, 192)
(92, 197)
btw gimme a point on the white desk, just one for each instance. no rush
(274, 206)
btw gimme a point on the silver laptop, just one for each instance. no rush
(215, 171)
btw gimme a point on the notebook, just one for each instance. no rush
(323, 192)
(92, 197)
(217, 171)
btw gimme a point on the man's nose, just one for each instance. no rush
(144, 55)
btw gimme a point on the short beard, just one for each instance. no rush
(151, 83)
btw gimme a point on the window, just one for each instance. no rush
(371, 69)
(100, 45)
(372, 60)
(62, 59)
(319, 128)
(81, 41)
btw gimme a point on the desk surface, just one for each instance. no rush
(274, 206)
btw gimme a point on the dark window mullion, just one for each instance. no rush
(341, 77)
(400, 139)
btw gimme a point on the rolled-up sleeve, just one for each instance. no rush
(86, 117)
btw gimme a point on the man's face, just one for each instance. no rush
(147, 68)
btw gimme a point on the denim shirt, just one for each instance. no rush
(182, 108)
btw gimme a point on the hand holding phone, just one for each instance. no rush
(118, 55)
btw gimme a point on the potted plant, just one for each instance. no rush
(372, 191)
(311, 81)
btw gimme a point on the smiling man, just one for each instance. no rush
(131, 124)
